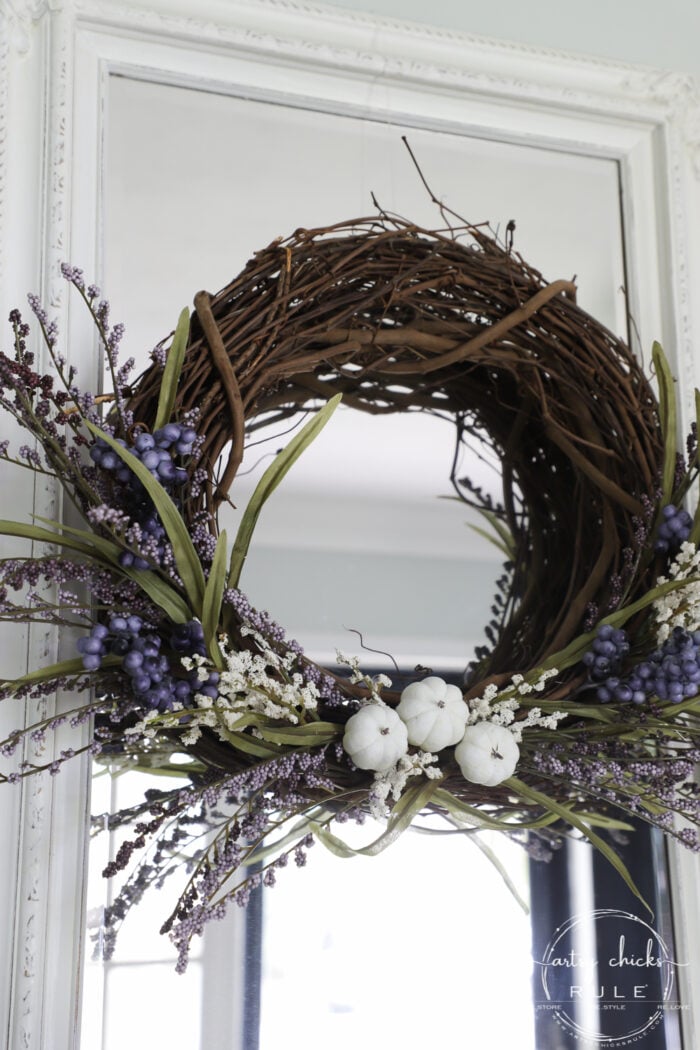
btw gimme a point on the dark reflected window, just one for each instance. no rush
(606, 970)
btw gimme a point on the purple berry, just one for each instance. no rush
(144, 442)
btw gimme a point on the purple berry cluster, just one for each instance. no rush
(150, 670)
(671, 672)
(607, 653)
(157, 452)
(675, 528)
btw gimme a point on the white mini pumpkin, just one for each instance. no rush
(435, 713)
(487, 754)
(375, 738)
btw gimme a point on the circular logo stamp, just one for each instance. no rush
(607, 978)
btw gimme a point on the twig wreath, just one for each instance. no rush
(581, 711)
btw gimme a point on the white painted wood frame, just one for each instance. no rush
(55, 60)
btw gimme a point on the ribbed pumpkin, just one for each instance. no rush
(375, 738)
(435, 713)
(487, 754)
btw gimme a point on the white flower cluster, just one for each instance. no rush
(680, 607)
(145, 728)
(393, 782)
(262, 683)
(374, 684)
(488, 708)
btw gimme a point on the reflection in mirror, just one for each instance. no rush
(346, 947)
(367, 534)
(421, 943)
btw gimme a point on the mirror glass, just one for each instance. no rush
(356, 539)
(366, 535)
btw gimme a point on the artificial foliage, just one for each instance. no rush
(579, 711)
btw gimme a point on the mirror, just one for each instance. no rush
(349, 543)
(171, 228)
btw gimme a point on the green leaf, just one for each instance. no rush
(105, 547)
(302, 736)
(249, 745)
(311, 734)
(39, 535)
(576, 821)
(481, 820)
(172, 370)
(503, 540)
(492, 856)
(269, 482)
(187, 562)
(491, 539)
(316, 813)
(298, 831)
(574, 650)
(413, 800)
(163, 594)
(211, 605)
(667, 413)
(70, 667)
(596, 712)
(598, 820)
(332, 842)
(247, 718)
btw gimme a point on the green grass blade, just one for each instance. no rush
(575, 821)
(249, 745)
(493, 858)
(598, 820)
(667, 412)
(39, 535)
(97, 549)
(498, 544)
(172, 370)
(333, 843)
(574, 650)
(74, 666)
(413, 800)
(211, 606)
(485, 821)
(107, 548)
(313, 734)
(163, 594)
(295, 834)
(187, 562)
(572, 708)
(507, 543)
(269, 482)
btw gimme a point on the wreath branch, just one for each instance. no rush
(393, 318)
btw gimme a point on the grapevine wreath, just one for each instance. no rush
(579, 713)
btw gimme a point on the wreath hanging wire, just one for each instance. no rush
(580, 712)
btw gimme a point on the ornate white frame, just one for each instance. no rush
(55, 60)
